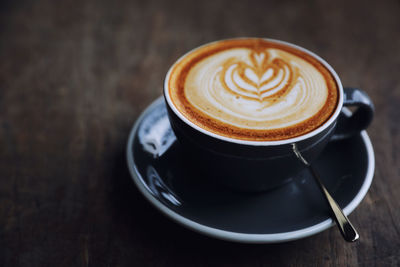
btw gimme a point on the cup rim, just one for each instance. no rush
(308, 135)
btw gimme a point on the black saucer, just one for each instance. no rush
(292, 211)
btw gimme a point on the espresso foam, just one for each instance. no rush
(253, 89)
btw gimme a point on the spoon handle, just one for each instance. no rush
(347, 230)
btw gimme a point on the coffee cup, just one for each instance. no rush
(239, 107)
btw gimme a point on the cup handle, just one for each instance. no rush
(361, 118)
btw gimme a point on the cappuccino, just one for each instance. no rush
(253, 89)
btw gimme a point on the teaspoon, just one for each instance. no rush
(347, 230)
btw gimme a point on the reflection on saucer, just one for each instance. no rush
(156, 134)
(159, 189)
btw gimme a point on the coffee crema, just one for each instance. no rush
(253, 89)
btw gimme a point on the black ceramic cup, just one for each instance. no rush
(262, 165)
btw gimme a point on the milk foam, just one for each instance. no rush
(270, 89)
(253, 89)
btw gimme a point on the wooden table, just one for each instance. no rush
(75, 75)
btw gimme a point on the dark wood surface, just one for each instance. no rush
(75, 75)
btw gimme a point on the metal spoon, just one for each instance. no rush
(347, 230)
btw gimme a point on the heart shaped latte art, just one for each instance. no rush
(262, 79)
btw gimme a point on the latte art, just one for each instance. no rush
(260, 80)
(253, 89)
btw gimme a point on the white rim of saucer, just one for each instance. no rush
(314, 132)
(243, 237)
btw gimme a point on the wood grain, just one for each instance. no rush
(74, 76)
